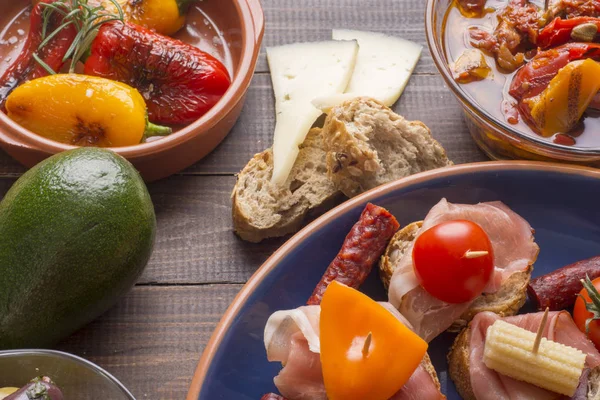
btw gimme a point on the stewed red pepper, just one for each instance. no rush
(535, 76)
(179, 82)
(559, 30)
(26, 67)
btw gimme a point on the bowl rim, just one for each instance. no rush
(72, 357)
(251, 37)
(441, 63)
(274, 260)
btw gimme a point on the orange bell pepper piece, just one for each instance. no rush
(366, 352)
(560, 106)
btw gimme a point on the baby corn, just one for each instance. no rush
(555, 367)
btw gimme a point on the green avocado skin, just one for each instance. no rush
(76, 232)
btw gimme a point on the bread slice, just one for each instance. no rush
(262, 209)
(363, 144)
(458, 362)
(395, 250)
(426, 363)
(368, 145)
(505, 302)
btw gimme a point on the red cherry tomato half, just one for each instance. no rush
(442, 264)
(581, 315)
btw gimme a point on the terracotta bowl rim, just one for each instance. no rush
(252, 36)
(274, 260)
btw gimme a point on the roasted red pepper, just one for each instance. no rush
(535, 76)
(179, 82)
(559, 30)
(25, 66)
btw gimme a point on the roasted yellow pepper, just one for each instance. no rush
(82, 110)
(163, 16)
(562, 104)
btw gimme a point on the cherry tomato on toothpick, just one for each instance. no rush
(454, 260)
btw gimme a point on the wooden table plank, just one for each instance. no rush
(195, 241)
(424, 93)
(289, 21)
(153, 339)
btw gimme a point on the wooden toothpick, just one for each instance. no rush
(475, 254)
(538, 338)
(546, 5)
(367, 345)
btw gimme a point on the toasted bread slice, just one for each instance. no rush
(459, 364)
(368, 145)
(382, 146)
(262, 209)
(506, 301)
(426, 363)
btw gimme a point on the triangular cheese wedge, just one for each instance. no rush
(300, 72)
(383, 68)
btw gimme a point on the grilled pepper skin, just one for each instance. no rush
(179, 82)
(80, 110)
(25, 66)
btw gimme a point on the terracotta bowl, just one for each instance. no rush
(230, 29)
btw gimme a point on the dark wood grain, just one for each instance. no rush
(153, 339)
(290, 21)
(195, 241)
(426, 98)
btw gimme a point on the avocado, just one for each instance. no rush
(76, 232)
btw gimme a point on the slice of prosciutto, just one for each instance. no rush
(487, 384)
(292, 338)
(514, 250)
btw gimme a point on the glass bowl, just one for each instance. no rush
(496, 138)
(77, 378)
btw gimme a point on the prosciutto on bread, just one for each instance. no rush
(514, 251)
(292, 338)
(487, 384)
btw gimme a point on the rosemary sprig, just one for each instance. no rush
(87, 21)
(594, 305)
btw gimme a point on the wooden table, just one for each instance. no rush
(153, 339)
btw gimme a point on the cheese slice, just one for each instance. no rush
(300, 72)
(383, 68)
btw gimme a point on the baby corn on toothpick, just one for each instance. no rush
(555, 367)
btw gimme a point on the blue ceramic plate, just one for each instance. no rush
(560, 202)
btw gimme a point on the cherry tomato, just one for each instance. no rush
(581, 315)
(446, 264)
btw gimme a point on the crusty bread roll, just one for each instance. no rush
(363, 144)
(368, 145)
(262, 209)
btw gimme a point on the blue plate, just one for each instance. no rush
(560, 202)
